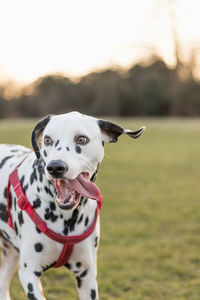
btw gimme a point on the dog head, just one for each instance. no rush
(71, 146)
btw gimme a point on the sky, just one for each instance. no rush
(75, 37)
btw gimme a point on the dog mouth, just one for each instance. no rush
(69, 192)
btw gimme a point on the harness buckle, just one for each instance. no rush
(22, 202)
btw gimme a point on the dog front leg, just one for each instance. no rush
(85, 275)
(31, 284)
(87, 285)
(9, 261)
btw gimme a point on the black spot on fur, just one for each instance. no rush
(69, 224)
(59, 148)
(49, 214)
(79, 278)
(34, 163)
(37, 203)
(4, 160)
(93, 294)
(78, 149)
(103, 143)
(57, 142)
(37, 229)
(45, 153)
(15, 203)
(38, 274)
(11, 200)
(38, 189)
(38, 247)
(33, 176)
(30, 287)
(5, 193)
(68, 266)
(20, 218)
(48, 267)
(96, 241)
(40, 166)
(86, 221)
(3, 213)
(25, 265)
(16, 229)
(25, 188)
(47, 190)
(40, 176)
(66, 229)
(67, 148)
(79, 282)
(52, 205)
(22, 180)
(84, 273)
(31, 296)
(80, 219)
(10, 196)
(78, 264)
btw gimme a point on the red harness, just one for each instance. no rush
(67, 241)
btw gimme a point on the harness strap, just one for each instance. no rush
(10, 223)
(24, 204)
(64, 256)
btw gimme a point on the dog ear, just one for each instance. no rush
(37, 132)
(113, 131)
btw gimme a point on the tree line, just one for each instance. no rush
(142, 90)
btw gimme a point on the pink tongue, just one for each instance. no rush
(85, 188)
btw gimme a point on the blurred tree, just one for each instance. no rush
(149, 90)
(190, 98)
(3, 104)
(105, 91)
(50, 94)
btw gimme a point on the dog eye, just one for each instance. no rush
(82, 140)
(48, 141)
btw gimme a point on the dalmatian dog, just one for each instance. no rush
(58, 180)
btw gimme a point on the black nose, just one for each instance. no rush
(57, 168)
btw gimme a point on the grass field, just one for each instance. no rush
(150, 221)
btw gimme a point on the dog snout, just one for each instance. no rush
(57, 168)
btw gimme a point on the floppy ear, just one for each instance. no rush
(113, 131)
(36, 134)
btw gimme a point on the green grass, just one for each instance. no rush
(150, 220)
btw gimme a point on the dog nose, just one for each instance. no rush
(57, 168)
